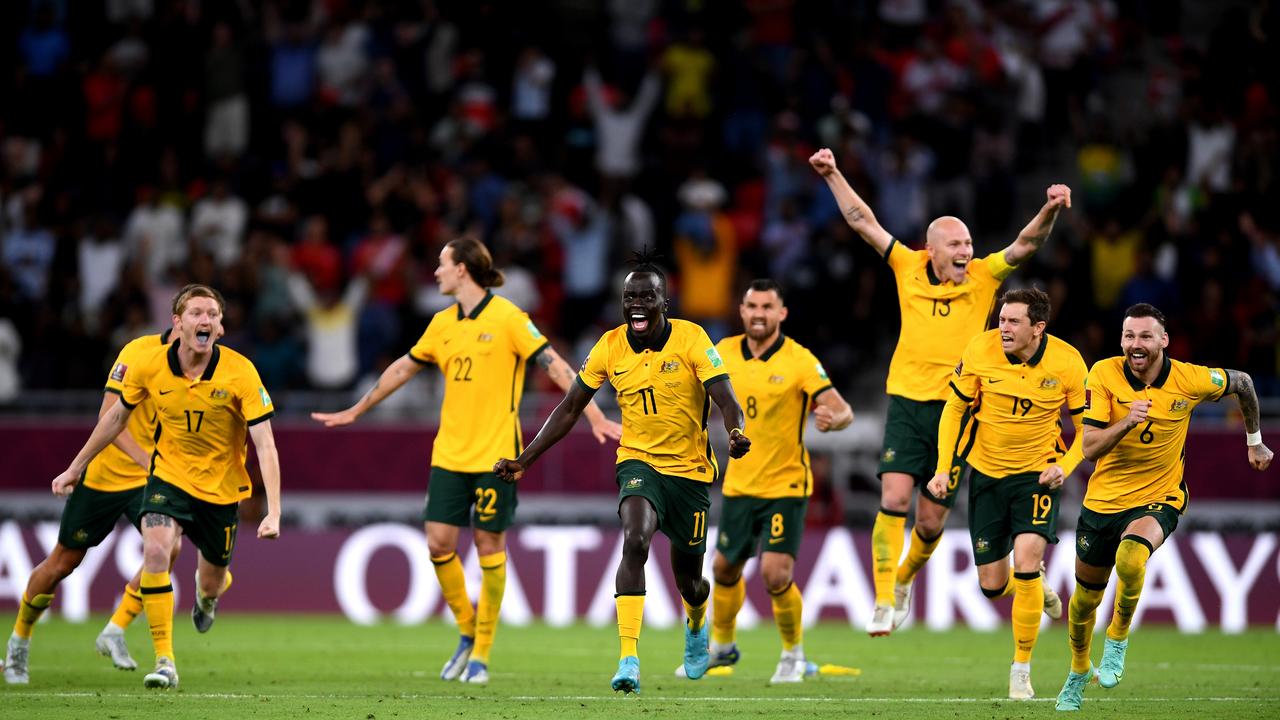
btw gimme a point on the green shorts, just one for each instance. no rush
(480, 500)
(681, 504)
(1099, 534)
(211, 527)
(90, 515)
(744, 519)
(911, 444)
(1003, 508)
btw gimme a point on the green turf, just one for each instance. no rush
(324, 667)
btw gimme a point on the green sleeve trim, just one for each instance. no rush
(821, 390)
(959, 394)
(712, 381)
(585, 387)
(270, 414)
(1095, 423)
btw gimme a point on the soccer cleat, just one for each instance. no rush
(202, 613)
(1072, 695)
(901, 604)
(627, 679)
(110, 643)
(792, 667)
(454, 666)
(165, 676)
(477, 673)
(1020, 684)
(1111, 669)
(696, 653)
(15, 661)
(1052, 603)
(881, 622)
(721, 656)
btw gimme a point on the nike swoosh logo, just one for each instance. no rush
(993, 381)
(775, 541)
(1039, 522)
(165, 392)
(618, 372)
(696, 542)
(1123, 402)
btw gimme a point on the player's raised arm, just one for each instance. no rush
(264, 442)
(562, 375)
(722, 395)
(1037, 231)
(124, 440)
(396, 375)
(112, 422)
(855, 210)
(832, 412)
(1241, 385)
(558, 424)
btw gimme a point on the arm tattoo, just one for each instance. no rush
(854, 214)
(154, 520)
(544, 360)
(1242, 386)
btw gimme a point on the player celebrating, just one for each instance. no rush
(769, 489)
(944, 297)
(112, 487)
(1014, 380)
(1137, 492)
(664, 370)
(481, 344)
(206, 399)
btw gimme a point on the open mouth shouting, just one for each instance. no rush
(204, 336)
(639, 322)
(1138, 359)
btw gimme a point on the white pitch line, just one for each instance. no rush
(610, 698)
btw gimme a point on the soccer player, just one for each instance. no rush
(945, 295)
(767, 492)
(664, 372)
(207, 398)
(1014, 380)
(112, 487)
(482, 345)
(1137, 410)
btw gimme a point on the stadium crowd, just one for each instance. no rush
(310, 158)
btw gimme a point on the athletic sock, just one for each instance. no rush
(1028, 603)
(1131, 570)
(886, 548)
(918, 554)
(453, 585)
(29, 612)
(726, 601)
(157, 600)
(697, 614)
(1081, 613)
(788, 608)
(493, 582)
(630, 617)
(128, 609)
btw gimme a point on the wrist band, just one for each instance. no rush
(739, 431)
(1253, 438)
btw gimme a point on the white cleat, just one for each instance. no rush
(15, 661)
(1052, 604)
(477, 673)
(110, 643)
(881, 622)
(791, 667)
(1020, 684)
(164, 677)
(901, 604)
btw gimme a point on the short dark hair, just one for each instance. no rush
(196, 290)
(475, 256)
(1036, 300)
(1142, 310)
(767, 285)
(645, 260)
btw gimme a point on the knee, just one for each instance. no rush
(440, 547)
(776, 580)
(635, 545)
(63, 562)
(1131, 558)
(156, 555)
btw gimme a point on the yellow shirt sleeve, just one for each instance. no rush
(997, 265)
(964, 383)
(815, 376)
(424, 351)
(120, 369)
(707, 363)
(134, 381)
(255, 403)
(595, 369)
(1097, 399)
(1211, 383)
(1077, 401)
(526, 339)
(900, 257)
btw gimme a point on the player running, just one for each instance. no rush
(1014, 380)
(482, 345)
(664, 372)
(945, 295)
(1138, 408)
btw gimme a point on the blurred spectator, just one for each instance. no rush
(620, 127)
(1113, 254)
(689, 65)
(99, 261)
(332, 329)
(154, 236)
(28, 256)
(218, 223)
(226, 128)
(582, 227)
(343, 64)
(706, 256)
(531, 86)
(10, 349)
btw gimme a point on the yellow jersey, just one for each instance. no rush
(776, 390)
(483, 356)
(938, 319)
(1016, 424)
(112, 470)
(662, 392)
(1146, 466)
(202, 424)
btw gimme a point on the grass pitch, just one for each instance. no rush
(324, 667)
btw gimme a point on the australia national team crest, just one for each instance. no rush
(670, 366)
(1048, 383)
(890, 454)
(80, 535)
(981, 545)
(634, 483)
(485, 337)
(1179, 404)
(776, 379)
(219, 394)
(1083, 542)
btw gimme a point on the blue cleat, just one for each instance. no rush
(1072, 695)
(454, 666)
(477, 673)
(697, 655)
(627, 679)
(1111, 670)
